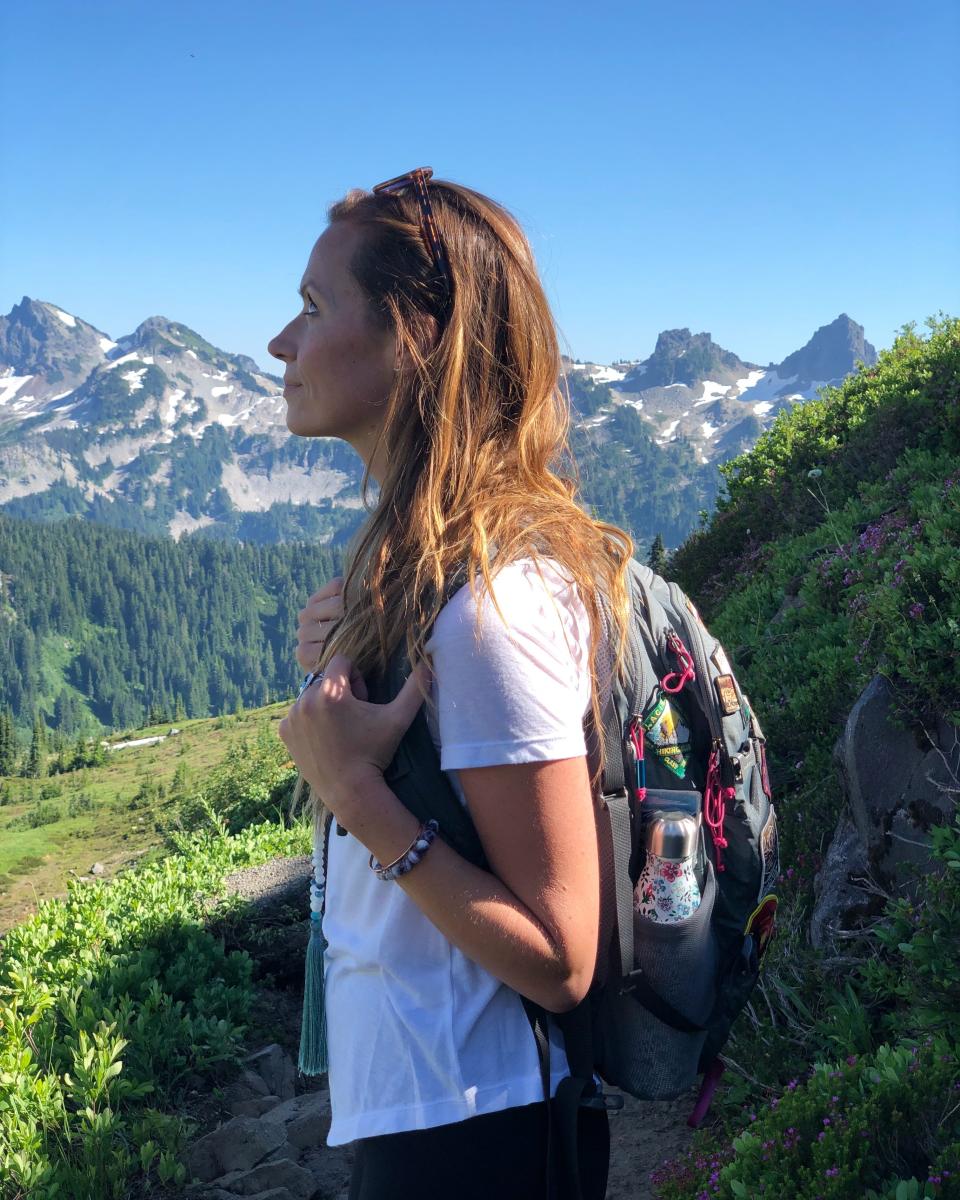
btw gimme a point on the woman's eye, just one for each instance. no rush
(307, 303)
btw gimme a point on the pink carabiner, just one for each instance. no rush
(686, 662)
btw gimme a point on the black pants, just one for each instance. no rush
(497, 1156)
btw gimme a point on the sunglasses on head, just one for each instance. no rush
(417, 179)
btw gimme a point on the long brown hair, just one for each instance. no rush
(475, 433)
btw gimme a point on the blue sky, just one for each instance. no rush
(750, 169)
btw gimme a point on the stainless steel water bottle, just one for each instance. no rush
(667, 890)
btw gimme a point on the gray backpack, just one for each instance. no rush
(664, 995)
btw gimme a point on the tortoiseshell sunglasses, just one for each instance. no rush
(428, 226)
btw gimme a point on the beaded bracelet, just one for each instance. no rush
(409, 859)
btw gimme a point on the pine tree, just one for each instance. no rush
(36, 756)
(657, 558)
(8, 742)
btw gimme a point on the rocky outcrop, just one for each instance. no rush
(898, 783)
(274, 1146)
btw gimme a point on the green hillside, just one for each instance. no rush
(836, 558)
(102, 629)
(832, 559)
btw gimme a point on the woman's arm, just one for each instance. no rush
(532, 922)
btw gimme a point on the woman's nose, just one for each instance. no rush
(280, 347)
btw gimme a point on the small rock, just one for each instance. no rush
(300, 1183)
(237, 1145)
(295, 1109)
(97, 869)
(275, 1067)
(248, 1085)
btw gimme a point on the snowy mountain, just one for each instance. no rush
(691, 389)
(161, 423)
(163, 432)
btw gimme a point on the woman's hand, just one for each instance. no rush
(341, 743)
(322, 611)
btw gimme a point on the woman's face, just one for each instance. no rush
(339, 364)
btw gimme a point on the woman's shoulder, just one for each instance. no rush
(526, 593)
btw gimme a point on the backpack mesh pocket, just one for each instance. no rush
(640, 1053)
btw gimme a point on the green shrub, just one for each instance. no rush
(252, 783)
(43, 813)
(851, 1126)
(109, 999)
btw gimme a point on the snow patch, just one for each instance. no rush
(747, 382)
(711, 391)
(106, 345)
(763, 407)
(123, 358)
(173, 400)
(600, 374)
(64, 317)
(668, 432)
(135, 379)
(192, 353)
(767, 387)
(708, 429)
(221, 391)
(10, 385)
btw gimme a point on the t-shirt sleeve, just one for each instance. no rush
(517, 692)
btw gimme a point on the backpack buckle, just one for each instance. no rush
(605, 1100)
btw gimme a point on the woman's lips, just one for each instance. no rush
(290, 387)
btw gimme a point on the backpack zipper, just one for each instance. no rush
(719, 787)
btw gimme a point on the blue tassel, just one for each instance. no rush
(313, 1030)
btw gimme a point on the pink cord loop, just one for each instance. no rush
(715, 798)
(636, 740)
(685, 659)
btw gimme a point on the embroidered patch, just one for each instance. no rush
(770, 854)
(668, 735)
(726, 694)
(720, 660)
(761, 923)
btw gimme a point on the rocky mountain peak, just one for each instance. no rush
(52, 349)
(830, 354)
(684, 357)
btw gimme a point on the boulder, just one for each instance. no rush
(248, 1085)
(237, 1145)
(254, 1107)
(899, 783)
(843, 897)
(301, 1184)
(275, 1067)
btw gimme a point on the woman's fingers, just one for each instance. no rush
(317, 619)
(310, 643)
(332, 587)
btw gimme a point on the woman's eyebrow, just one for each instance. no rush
(309, 283)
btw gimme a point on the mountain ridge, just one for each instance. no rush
(184, 436)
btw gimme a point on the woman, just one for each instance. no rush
(426, 342)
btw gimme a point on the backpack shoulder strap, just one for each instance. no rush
(414, 774)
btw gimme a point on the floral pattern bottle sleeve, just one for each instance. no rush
(668, 890)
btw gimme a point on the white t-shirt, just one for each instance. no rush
(418, 1033)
